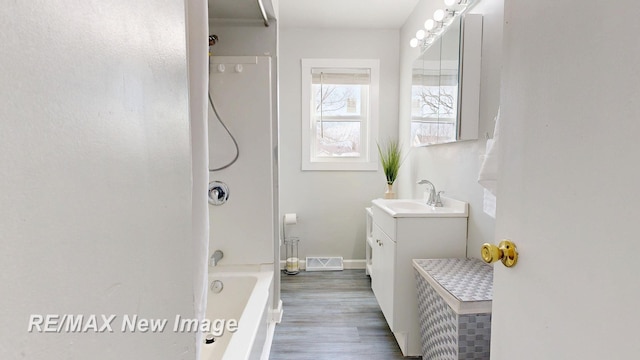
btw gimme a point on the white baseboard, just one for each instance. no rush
(348, 264)
(355, 264)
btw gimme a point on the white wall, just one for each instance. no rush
(330, 204)
(95, 207)
(454, 167)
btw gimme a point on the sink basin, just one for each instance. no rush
(418, 208)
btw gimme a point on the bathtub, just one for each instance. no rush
(245, 298)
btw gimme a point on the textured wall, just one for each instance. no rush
(95, 207)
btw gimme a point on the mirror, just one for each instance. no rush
(425, 96)
(436, 109)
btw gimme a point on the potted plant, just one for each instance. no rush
(390, 157)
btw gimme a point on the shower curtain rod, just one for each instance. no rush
(264, 13)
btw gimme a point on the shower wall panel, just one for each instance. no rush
(242, 228)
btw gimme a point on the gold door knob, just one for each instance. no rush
(505, 251)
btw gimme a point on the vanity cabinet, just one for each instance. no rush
(394, 240)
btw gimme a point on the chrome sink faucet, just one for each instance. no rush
(434, 196)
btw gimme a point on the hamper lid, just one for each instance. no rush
(465, 284)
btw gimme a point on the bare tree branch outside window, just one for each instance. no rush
(331, 98)
(336, 136)
(436, 100)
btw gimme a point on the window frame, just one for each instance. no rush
(368, 160)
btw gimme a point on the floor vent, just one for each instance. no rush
(316, 263)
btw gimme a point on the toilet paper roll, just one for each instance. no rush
(290, 219)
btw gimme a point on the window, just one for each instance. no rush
(339, 114)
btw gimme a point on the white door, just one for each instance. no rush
(569, 192)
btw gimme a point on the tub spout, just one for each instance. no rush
(217, 255)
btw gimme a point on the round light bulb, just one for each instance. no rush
(420, 34)
(429, 24)
(438, 15)
(449, 2)
(413, 42)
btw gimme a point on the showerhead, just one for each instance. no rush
(213, 39)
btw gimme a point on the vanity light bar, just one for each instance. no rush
(441, 19)
(456, 2)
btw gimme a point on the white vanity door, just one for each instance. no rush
(384, 257)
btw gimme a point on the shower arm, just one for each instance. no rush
(263, 13)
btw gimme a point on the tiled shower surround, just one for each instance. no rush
(446, 334)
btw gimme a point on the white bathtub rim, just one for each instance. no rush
(254, 310)
(243, 340)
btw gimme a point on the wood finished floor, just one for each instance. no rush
(332, 315)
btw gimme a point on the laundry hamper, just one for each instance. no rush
(454, 308)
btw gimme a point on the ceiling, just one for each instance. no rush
(363, 14)
(387, 14)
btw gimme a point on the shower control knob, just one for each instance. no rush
(221, 68)
(239, 68)
(218, 193)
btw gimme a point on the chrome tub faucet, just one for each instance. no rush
(217, 256)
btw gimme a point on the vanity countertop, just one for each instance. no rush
(412, 208)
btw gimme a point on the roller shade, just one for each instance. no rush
(435, 80)
(341, 76)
